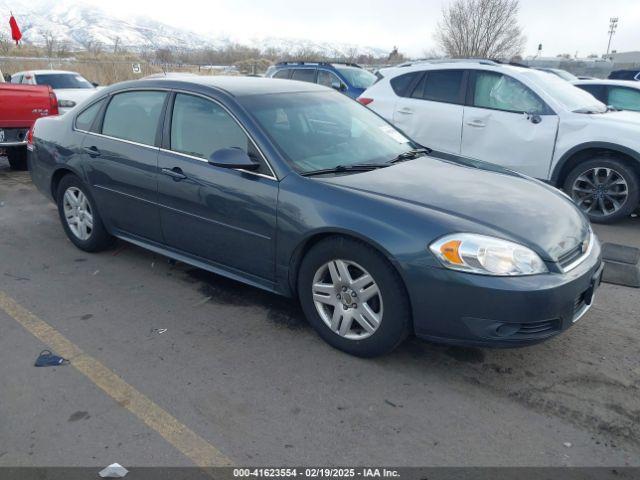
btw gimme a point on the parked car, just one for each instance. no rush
(20, 107)
(558, 72)
(348, 78)
(625, 75)
(619, 94)
(522, 119)
(296, 189)
(71, 88)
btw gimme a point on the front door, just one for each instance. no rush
(223, 216)
(121, 158)
(508, 124)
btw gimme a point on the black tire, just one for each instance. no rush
(627, 173)
(395, 325)
(17, 158)
(99, 239)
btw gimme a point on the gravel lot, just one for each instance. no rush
(241, 369)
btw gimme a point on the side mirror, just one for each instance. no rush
(95, 84)
(533, 117)
(233, 158)
(339, 86)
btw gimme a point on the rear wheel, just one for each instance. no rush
(353, 297)
(605, 189)
(80, 219)
(17, 158)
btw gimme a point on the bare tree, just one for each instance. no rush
(481, 29)
(116, 44)
(5, 44)
(50, 43)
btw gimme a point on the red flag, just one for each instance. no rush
(16, 34)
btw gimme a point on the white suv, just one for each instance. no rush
(523, 119)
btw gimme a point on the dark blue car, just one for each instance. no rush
(296, 189)
(347, 78)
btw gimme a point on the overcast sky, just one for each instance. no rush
(562, 26)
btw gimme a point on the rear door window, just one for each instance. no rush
(134, 116)
(304, 74)
(284, 73)
(440, 86)
(401, 83)
(597, 91)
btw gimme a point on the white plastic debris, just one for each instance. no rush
(567, 444)
(115, 470)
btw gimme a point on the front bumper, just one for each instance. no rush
(466, 309)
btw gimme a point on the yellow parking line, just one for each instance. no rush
(201, 452)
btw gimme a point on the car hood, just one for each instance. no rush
(624, 118)
(509, 204)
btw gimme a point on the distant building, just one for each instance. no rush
(626, 58)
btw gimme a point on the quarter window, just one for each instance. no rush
(134, 116)
(440, 86)
(84, 121)
(200, 127)
(499, 92)
(304, 74)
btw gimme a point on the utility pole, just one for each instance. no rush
(613, 25)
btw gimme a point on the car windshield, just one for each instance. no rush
(562, 74)
(357, 77)
(569, 96)
(323, 130)
(62, 80)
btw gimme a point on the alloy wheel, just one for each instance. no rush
(348, 299)
(78, 213)
(600, 191)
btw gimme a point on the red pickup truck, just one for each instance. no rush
(20, 107)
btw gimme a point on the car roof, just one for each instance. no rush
(455, 64)
(620, 83)
(233, 85)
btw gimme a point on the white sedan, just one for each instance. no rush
(71, 88)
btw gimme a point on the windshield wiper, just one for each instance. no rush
(587, 111)
(410, 155)
(357, 167)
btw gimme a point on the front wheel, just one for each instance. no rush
(605, 189)
(80, 218)
(353, 297)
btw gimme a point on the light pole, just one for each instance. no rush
(613, 25)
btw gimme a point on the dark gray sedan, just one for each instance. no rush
(296, 189)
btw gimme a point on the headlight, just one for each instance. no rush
(66, 103)
(474, 253)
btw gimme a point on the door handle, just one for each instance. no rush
(175, 173)
(477, 123)
(92, 151)
(405, 111)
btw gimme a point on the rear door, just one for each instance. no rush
(431, 113)
(224, 216)
(506, 123)
(121, 161)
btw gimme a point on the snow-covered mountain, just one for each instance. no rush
(79, 25)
